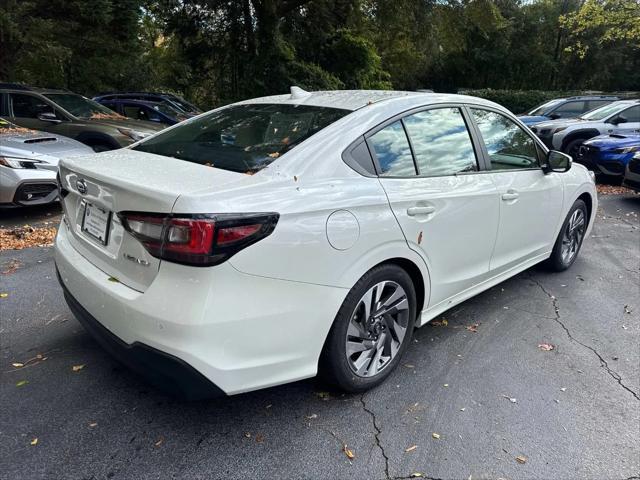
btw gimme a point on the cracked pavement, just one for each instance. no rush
(576, 413)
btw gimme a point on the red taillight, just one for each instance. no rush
(202, 240)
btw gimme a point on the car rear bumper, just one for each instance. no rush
(164, 371)
(241, 332)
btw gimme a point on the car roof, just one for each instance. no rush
(357, 99)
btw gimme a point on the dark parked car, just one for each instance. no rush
(609, 154)
(174, 101)
(72, 115)
(143, 110)
(565, 108)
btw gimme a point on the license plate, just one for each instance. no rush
(96, 223)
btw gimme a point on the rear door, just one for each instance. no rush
(530, 200)
(447, 210)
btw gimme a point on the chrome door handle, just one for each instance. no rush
(510, 196)
(413, 211)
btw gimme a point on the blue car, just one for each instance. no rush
(565, 108)
(145, 110)
(609, 154)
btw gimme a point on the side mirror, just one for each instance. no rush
(554, 116)
(557, 162)
(49, 117)
(619, 119)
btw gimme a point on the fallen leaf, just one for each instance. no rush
(512, 400)
(323, 395)
(259, 438)
(18, 364)
(311, 417)
(77, 368)
(247, 434)
(546, 347)
(521, 459)
(21, 383)
(416, 475)
(159, 442)
(462, 409)
(274, 154)
(446, 385)
(408, 365)
(113, 279)
(411, 448)
(436, 436)
(11, 267)
(4, 295)
(627, 309)
(34, 441)
(563, 389)
(94, 424)
(472, 328)
(349, 453)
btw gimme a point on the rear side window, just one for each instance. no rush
(441, 142)
(393, 152)
(591, 104)
(242, 138)
(508, 145)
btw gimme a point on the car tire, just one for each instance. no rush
(573, 147)
(377, 336)
(101, 147)
(567, 246)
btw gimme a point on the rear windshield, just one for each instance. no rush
(242, 138)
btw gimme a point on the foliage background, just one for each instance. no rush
(217, 51)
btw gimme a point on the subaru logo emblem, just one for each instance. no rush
(81, 185)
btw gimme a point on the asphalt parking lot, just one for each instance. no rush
(501, 405)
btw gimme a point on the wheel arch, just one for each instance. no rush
(584, 134)
(94, 138)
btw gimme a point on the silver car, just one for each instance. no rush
(29, 164)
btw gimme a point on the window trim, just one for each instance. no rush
(476, 143)
(541, 146)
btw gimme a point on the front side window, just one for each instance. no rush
(508, 145)
(29, 106)
(631, 115)
(242, 138)
(393, 152)
(441, 142)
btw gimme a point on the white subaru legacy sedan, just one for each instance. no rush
(283, 237)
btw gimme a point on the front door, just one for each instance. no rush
(530, 200)
(447, 211)
(26, 108)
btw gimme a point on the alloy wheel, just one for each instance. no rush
(377, 328)
(572, 237)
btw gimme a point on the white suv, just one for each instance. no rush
(567, 135)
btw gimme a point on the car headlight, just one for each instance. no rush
(559, 129)
(134, 135)
(13, 162)
(626, 149)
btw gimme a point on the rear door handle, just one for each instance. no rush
(510, 195)
(413, 211)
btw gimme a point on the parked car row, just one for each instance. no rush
(603, 139)
(39, 126)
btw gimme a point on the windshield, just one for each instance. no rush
(183, 104)
(545, 107)
(603, 112)
(167, 110)
(82, 107)
(242, 138)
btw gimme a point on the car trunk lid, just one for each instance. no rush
(98, 187)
